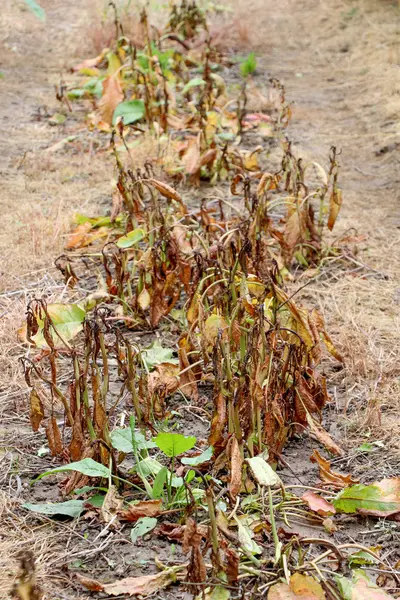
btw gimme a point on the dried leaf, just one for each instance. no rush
(111, 506)
(133, 586)
(235, 484)
(335, 203)
(54, 437)
(36, 412)
(324, 437)
(146, 508)
(112, 96)
(318, 504)
(164, 379)
(166, 190)
(337, 480)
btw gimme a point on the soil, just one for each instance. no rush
(340, 66)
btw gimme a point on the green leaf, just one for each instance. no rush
(201, 458)
(87, 466)
(130, 110)
(36, 9)
(132, 238)
(159, 483)
(67, 320)
(70, 508)
(143, 525)
(149, 466)
(249, 65)
(156, 354)
(121, 439)
(173, 444)
(362, 558)
(196, 82)
(382, 497)
(97, 500)
(245, 536)
(360, 588)
(262, 472)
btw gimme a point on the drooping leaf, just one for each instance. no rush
(67, 320)
(112, 96)
(36, 9)
(143, 525)
(236, 458)
(70, 508)
(335, 203)
(156, 354)
(131, 239)
(205, 456)
(246, 540)
(86, 466)
(318, 504)
(262, 472)
(174, 444)
(36, 410)
(130, 110)
(381, 499)
(110, 505)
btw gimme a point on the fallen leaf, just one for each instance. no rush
(301, 586)
(381, 499)
(133, 586)
(146, 508)
(318, 504)
(360, 588)
(262, 472)
(337, 480)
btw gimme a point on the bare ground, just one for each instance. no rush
(340, 65)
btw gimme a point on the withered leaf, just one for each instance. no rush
(146, 508)
(133, 586)
(335, 203)
(324, 437)
(111, 505)
(112, 96)
(236, 467)
(318, 504)
(336, 480)
(36, 411)
(54, 437)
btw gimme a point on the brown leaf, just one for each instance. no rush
(112, 96)
(90, 63)
(218, 422)
(164, 379)
(191, 540)
(111, 506)
(36, 409)
(166, 190)
(77, 443)
(146, 508)
(324, 437)
(335, 203)
(318, 504)
(90, 584)
(54, 437)
(235, 484)
(133, 586)
(165, 295)
(337, 480)
(187, 380)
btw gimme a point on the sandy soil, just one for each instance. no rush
(340, 65)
